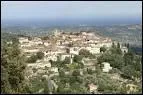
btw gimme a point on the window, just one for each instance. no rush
(75, 49)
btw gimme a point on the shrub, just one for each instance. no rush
(75, 73)
(32, 59)
(102, 49)
(85, 53)
(77, 58)
(66, 61)
(40, 55)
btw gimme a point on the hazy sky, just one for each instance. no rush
(70, 9)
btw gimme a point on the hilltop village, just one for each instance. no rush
(64, 45)
(60, 43)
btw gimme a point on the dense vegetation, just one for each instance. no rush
(34, 58)
(12, 69)
(129, 63)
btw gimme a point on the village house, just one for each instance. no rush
(74, 50)
(131, 88)
(124, 49)
(54, 69)
(23, 39)
(46, 43)
(52, 57)
(92, 88)
(106, 67)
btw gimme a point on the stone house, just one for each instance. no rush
(106, 67)
(92, 88)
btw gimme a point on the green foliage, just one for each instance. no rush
(128, 58)
(66, 61)
(77, 58)
(80, 65)
(34, 70)
(137, 63)
(5, 85)
(45, 38)
(128, 45)
(77, 88)
(70, 45)
(89, 71)
(37, 84)
(116, 50)
(118, 45)
(67, 50)
(40, 55)
(115, 60)
(29, 38)
(113, 45)
(107, 85)
(102, 49)
(32, 59)
(129, 72)
(67, 83)
(61, 73)
(76, 73)
(85, 53)
(13, 68)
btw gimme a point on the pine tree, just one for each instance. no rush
(118, 45)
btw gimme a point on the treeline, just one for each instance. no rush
(12, 69)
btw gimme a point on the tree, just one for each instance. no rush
(15, 41)
(113, 45)
(128, 58)
(45, 38)
(115, 50)
(77, 58)
(80, 65)
(107, 85)
(29, 38)
(40, 55)
(61, 73)
(34, 70)
(39, 83)
(115, 60)
(89, 71)
(137, 63)
(70, 45)
(118, 45)
(32, 59)
(118, 51)
(85, 53)
(13, 68)
(66, 61)
(67, 50)
(102, 49)
(5, 85)
(128, 71)
(75, 73)
(128, 45)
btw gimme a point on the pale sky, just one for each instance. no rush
(70, 9)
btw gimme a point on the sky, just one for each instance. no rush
(52, 10)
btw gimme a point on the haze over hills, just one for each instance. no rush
(69, 22)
